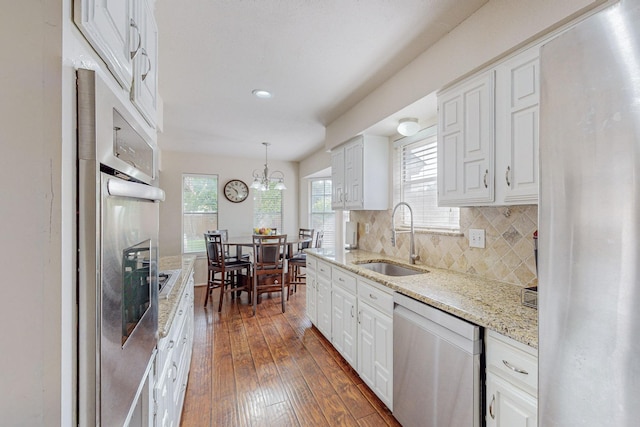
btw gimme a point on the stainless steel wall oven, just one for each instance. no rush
(117, 255)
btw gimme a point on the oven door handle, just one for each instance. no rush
(118, 187)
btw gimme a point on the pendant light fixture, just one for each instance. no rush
(262, 180)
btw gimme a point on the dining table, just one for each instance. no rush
(246, 241)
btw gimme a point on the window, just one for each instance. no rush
(417, 183)
(267, 208)
(321, 215)
(199, 210)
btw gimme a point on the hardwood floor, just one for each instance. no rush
(274, 369)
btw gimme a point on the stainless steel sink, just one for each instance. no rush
(389, 269)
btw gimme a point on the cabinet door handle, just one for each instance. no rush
(144, 75)
(133, 25)
(352, 311)
(506, 176)
(514, 369)
(493, 400)
(346, 196)
(484, 178)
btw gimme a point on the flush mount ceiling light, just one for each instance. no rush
(261, 93)
(408, 126)
(261, 181)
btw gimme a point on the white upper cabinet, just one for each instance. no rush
(360, 174)
(466, 142)
(517, 115)
(488, 136)
(144, 93)
(110, 28)
(125, 35)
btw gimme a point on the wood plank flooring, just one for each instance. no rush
(274, 369)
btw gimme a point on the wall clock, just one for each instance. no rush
(236, 191)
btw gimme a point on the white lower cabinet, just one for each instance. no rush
(375, 339)
(323, 299)
(512, 383)
(344, 326)
(172, 363)
(311, 279)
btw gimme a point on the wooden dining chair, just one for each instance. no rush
(228, 275)
(225, 238)
(269, 267)
(299, 260)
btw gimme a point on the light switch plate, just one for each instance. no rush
(476, 238)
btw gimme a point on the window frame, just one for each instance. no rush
(256, 193)
(183, 213)
(425, 218)
(329, 236)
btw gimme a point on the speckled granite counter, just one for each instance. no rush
(488, 303)
(167, 306)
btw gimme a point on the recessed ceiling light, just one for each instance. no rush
(261, 93)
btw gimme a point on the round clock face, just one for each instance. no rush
(236, 191)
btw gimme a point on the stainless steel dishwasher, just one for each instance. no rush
(436, 367)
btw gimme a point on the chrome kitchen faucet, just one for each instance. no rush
(412, 255)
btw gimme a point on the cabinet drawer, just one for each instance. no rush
(513, 361)
(373, 295)
(324, 269)
(344, 280)
(312, 264)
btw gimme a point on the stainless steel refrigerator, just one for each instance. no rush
(589, 223)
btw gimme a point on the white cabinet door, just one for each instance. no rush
(360, 174)
(344, 327)
(323, 304)
(111, 30)
(353, 159)
(311, 290)
(375, 351)
(337, 179)
(144, 93)
(509, 406)
(466, 143)
(517, 116)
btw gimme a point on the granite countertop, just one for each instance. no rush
(167, 306)
(488, 303)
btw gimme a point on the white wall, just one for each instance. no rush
(313, 164)
(497, 28)
(236, 217)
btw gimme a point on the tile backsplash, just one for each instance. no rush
(507, 257)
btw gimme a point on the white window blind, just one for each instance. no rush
(416, 182)
(321, 215)
(199, 210)
(267, 208)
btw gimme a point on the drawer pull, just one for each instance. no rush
(372, 296)
(514, 369)
(340, 279)
(493, 400)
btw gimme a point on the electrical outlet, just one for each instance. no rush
(367, 228)
(476, 238)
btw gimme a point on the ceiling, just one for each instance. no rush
(318, 57)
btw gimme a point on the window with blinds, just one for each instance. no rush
(267, 208)
(321, 216)
(199, 210)
(416, 183)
